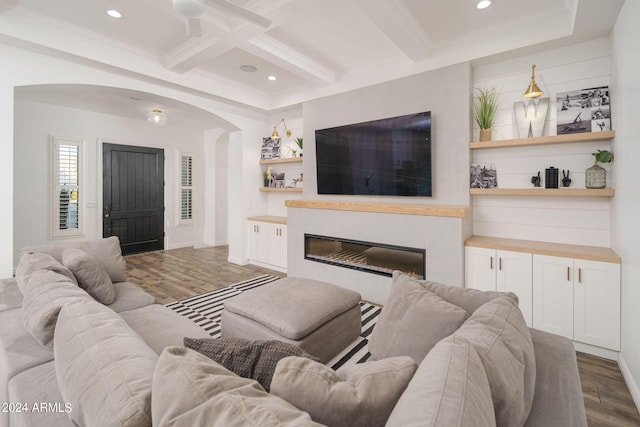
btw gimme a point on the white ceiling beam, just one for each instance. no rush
(397, 22)
(283, 55)
(195, 52)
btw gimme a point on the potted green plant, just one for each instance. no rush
(596, 176)
(485, 106)
(265, 177)
(299, 142)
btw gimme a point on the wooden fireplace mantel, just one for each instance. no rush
(391, 208)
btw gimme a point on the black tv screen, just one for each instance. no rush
(387, 157)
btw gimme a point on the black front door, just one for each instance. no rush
(133, 196)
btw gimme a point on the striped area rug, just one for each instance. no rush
(205, 310)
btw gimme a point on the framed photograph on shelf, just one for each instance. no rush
(270, 148)
(483, 176)
(584, 110)
(278, 179)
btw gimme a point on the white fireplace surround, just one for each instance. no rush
(441, 236)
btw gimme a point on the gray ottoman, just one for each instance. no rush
(319, 317)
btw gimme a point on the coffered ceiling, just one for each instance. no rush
(312, 47)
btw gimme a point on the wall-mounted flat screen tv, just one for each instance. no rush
(387, 157)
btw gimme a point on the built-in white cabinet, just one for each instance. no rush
(267, 244)
(567, 290)
(579, 299)
(504, 271)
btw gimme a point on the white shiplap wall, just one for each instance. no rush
(573, 220)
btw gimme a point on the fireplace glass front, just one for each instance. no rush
(370, 257)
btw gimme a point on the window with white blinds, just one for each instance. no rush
(67, 198)
(185, 192)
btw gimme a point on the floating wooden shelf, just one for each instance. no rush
(593, 253)
(561, 192)
(280, 161)
(407, 209)
(543, 140)
(281, 190)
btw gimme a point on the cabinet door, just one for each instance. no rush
(480, 268)
(276, 245)
(283, 246)
(553, 295)
(258, 245)
(252, 241)
(597, 303)
(514, 274)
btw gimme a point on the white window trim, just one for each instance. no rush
(54, 214)
(180, 187)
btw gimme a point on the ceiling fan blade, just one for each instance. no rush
(195, 29)
(240, 12)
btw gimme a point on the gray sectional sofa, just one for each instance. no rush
(74, 350)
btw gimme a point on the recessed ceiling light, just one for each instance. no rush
(114, 13)
(248, 68)
(272, 78)
(483, 4)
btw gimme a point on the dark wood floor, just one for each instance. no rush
(180, 273)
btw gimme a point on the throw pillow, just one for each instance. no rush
(46, 292)
(91, 276)
(190, 389)
(104, 369)
(498, 332)
(249, 359)
(449, 389)
(363, 395)
(412, 321)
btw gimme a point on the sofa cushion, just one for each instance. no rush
(107, 251)
(130, 297)
(161, 327)
(19, 351)
(249, 359)
(90, 275)
(449, 389)
(558, 395)
(362, 395)
(498, 332)
(423, 317)
(465, 298)
(189, 389)
(104, 369)
(37, 388)
(31, 262)
(46, 292)
(10, 295)
(279, 305)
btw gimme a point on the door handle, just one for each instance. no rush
(491, 263)
(106, 212)
(500, 263)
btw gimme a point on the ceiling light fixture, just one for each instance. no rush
(272, 78)
(533, 91)
(157, 117)
(483, 4)
(114, 13)
(275, 132)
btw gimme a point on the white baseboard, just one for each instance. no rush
(269, 266)
(596, 351)
(631, 382)
(237, 260)
(180, 245)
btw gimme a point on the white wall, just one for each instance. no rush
(445, 93)
(33, 124)
(30, 68)
(583, 221)
(626, 203)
